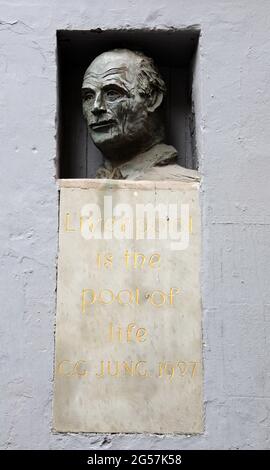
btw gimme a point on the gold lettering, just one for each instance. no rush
(137, 295)
(141, 334)
(128, 368)
(129, 333)
(130, 297)
(108, 224)
(137, 369)
(182, 367)
(166, 368)
(90, 222)
(101, 374)
(173, 292)
(78, 370)
(125, 297)
(61, 368)
(105, 260)
(68, 227)
(160, 369)
(101, 300)
(116, 372)
(129, 329)
(190, 225)
(110, 331)
(194, 368)
(126, 256)
(115, 332)
(108, 260)
(86, 302)
(169, 369)
(137, 258)
(163, 298)
(154, 259)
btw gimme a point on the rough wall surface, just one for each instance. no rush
(233, 121)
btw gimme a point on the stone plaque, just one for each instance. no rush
(128, 328)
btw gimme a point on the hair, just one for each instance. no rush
(148, 74)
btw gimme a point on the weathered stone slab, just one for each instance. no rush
(128, 327)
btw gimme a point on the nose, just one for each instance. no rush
(99, 105)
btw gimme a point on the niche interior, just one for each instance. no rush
(173, 51)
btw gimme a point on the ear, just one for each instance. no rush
(154, 100)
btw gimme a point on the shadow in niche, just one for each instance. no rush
(173, 52)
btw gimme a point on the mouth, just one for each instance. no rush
(102, 125)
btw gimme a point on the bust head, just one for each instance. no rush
(122, 92)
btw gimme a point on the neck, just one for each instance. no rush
(131, 151)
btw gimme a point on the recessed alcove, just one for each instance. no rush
(173, 52)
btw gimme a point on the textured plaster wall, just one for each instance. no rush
(233, 120)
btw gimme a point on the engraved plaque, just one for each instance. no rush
(128, 327)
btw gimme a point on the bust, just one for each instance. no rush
(122, 94)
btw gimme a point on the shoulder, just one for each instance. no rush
(169, 172)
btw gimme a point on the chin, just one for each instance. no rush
(110, 142)
(104, 137)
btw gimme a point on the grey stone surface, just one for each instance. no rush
(123, 383)
(232, 102)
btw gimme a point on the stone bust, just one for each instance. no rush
(122, 93)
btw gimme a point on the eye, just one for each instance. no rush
(88, 95)
(113, 94)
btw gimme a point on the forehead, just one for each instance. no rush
(111, 67)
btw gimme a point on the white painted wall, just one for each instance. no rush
(233, 122)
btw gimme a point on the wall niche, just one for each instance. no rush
(173, 52)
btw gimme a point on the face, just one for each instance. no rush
(116, 114)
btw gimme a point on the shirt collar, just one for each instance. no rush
(159, 154)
